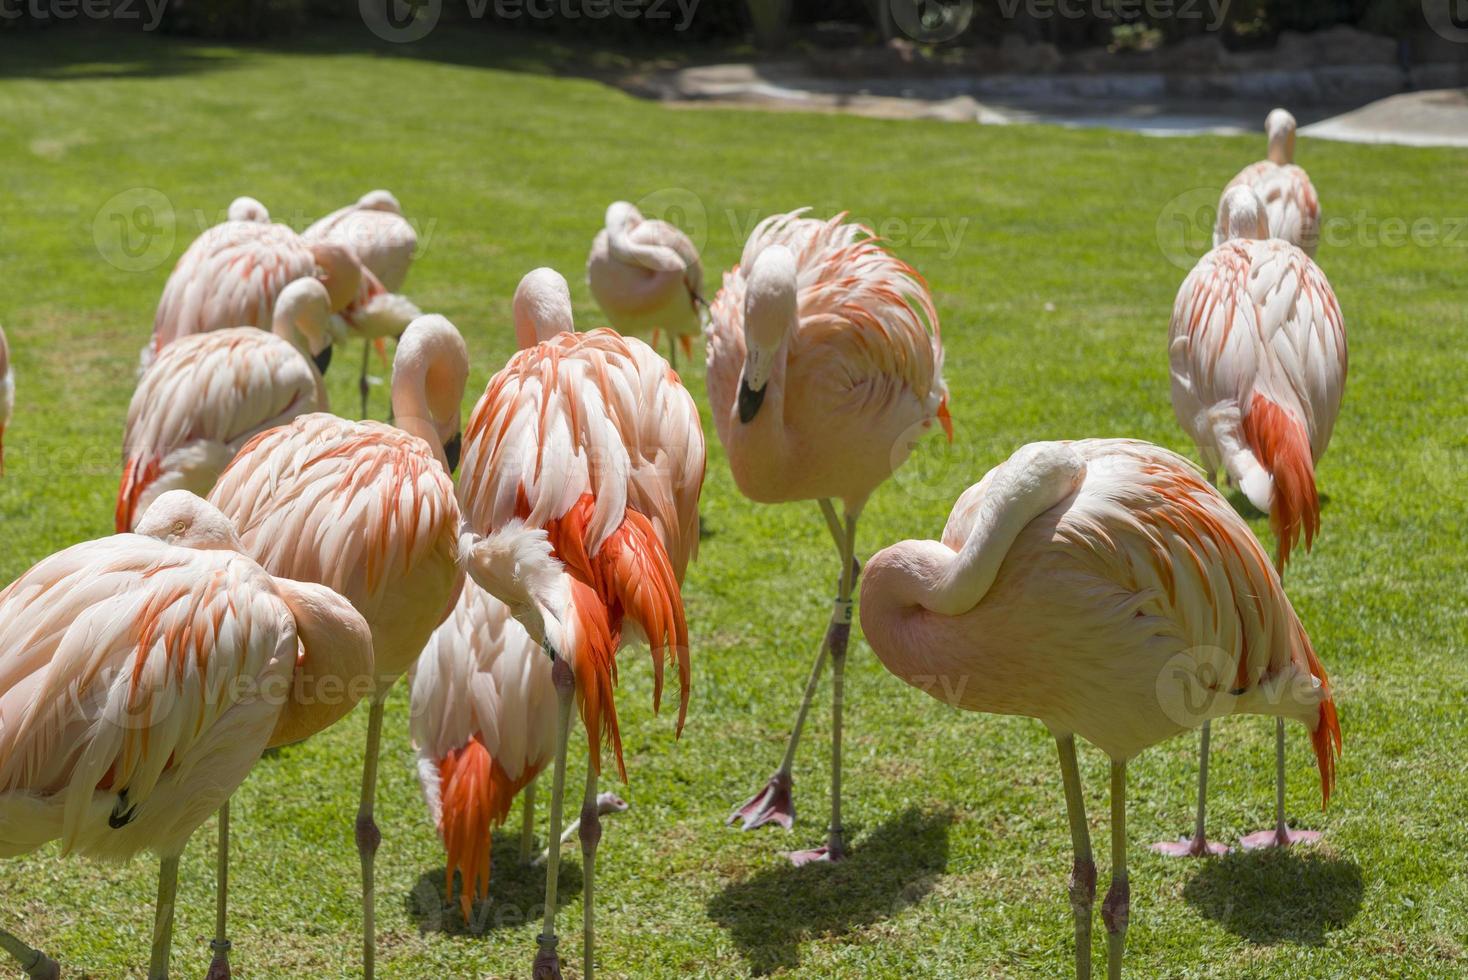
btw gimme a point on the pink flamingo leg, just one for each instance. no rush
(220, 946)
(1198, 845)
(1281, 835)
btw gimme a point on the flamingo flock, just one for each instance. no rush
(275, 564)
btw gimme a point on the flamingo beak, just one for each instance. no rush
(323, 359)
(452, 450)
(749, 401)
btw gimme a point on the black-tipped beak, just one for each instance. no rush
(749, 402)
(451, 451)
(323, 359)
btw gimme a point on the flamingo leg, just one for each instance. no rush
(837, 636)
(672, 350)
(547, 964)
(773, 803)
(1198, 845)
(369, 838)
(1116, 908)
(363, 385)
(590, 831)
(1281, 835)
(527, 824)
(36, 964)
(219, 965)
(1083, 871)
(163, 918)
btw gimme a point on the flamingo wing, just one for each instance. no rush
(383, 241)
(230, 277)
(204, 397)
(127, 664)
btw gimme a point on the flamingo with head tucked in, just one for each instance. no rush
(824, 367)
(368, 510)
(647, 277)
(582, 465)
(1290, 202)
(141, 677)
(1257, 349)
(208, 394)
(1104, 588)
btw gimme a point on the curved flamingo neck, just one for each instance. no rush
(430, 370)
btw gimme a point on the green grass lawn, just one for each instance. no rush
(1055, 299)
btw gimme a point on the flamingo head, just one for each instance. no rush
(338, 269)
(1243, 214)
(542, 307)
(303, 316)
(380, 200)
(181, 519)
(771, 309)
(248, 209)
(517, 566)
(622, 216)
(1279, 126)
(429, 373)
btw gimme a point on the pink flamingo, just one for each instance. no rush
(560, 474)
(376, 232)
(208, 394)
(369, 511)
(483, 696)
(126, 667)
(1105, 589)
(824, 366)
(7, 394)
(233, 273)
(647, 278)
(1258, 355)
(247, 209)
(1289, 198)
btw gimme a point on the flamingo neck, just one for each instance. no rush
(430, 370)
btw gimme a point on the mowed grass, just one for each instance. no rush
(1054, 294)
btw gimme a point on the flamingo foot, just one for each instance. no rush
(770, 805)
(1282, 837)
(825, 854)
(547, 962)
(1190, 847)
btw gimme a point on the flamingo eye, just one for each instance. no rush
(179, 527)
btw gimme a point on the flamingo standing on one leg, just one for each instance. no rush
(647, 278)
(234, 272)
(7, 394)
(1105, 589)
(369, 511)
(127, 667)
(483, 696)
(1289, 198)
(824, 366)
(384, 242)
(208, 394)
(562, 475)
(1258, 354)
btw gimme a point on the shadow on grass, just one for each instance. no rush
(1276, 896)
(1241, 503)
(770, 914)
(516, 893)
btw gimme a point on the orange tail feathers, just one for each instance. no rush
(594, 661)
(1280, 442)
(475, 794)
(137, 477)
(1326, 738)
